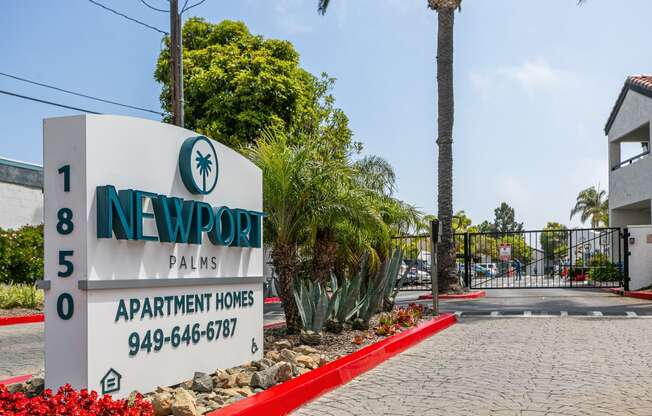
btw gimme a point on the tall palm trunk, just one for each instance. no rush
(446, 249)
(285, 261)
(324, 255)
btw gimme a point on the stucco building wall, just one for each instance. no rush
(21, 194)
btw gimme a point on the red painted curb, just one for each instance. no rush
(470, 295)
(632, 293)
(286, 397)
(17, 379)
(25, 319)
(274, 325)
(272, 300)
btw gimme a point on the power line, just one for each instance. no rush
(133, 107)
(128, 18)
(154, 8)
(194, 5)
(47, 102)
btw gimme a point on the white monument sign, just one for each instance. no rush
(153, 258)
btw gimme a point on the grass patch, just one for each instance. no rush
(21, 296)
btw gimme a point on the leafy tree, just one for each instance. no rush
(21, 255)
(592, 204)
(461, 222)
(238, 84)
(486, 227)
(504, 219)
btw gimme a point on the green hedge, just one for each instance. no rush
(21, 255)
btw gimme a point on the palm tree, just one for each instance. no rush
(446, 249)
(592, 204)
(204, 165)
(293, 182)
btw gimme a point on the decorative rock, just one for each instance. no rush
(243, 379)
(310, 337)
(162, 404)
(288, 355)
(284, 343)
(184, 404)
(306, 361)
(186, 385)
(273, 355)
(225, 380)
(266, 378)
(322, 360)
(202, 382)
(245, 391)
(35, 385)
(306, 350)
(17, 388)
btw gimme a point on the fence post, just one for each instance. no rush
(626, 254)
(569, 274)
(434, 274)
(467, 263)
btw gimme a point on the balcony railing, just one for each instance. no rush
(631, 160)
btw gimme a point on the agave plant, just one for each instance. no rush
(346, 298)
(378, 288)
(314, 305)
(395, 284)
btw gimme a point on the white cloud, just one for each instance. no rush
(532, 76)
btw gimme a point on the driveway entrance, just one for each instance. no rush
(486, 366)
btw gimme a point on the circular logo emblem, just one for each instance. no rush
(198, 165)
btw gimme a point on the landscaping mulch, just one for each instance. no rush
(19, 312)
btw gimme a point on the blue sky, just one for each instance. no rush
(535, 81)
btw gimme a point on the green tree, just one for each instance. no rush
(592, 203)
(238, 84)
(505, 219)
(554, 243)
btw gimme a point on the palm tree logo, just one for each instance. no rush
(204, 165)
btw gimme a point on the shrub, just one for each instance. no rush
(21, 296)
(21, 254)
(69, 402)
(606, 273)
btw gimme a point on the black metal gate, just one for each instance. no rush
(415, 273)
(551, 258)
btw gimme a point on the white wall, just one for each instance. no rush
(640, 260)
(20, 205)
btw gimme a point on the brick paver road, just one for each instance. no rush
(21, 349)
(510, 366)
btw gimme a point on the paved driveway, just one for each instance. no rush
(510, 366)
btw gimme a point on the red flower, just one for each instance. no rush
(69, 402)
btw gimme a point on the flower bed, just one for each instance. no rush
(285, 358)
(70, 402)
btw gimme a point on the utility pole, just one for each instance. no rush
(176, 64)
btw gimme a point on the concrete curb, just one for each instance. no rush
(470, 295)
(631, 294)
(286, 397)
(23, 319)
